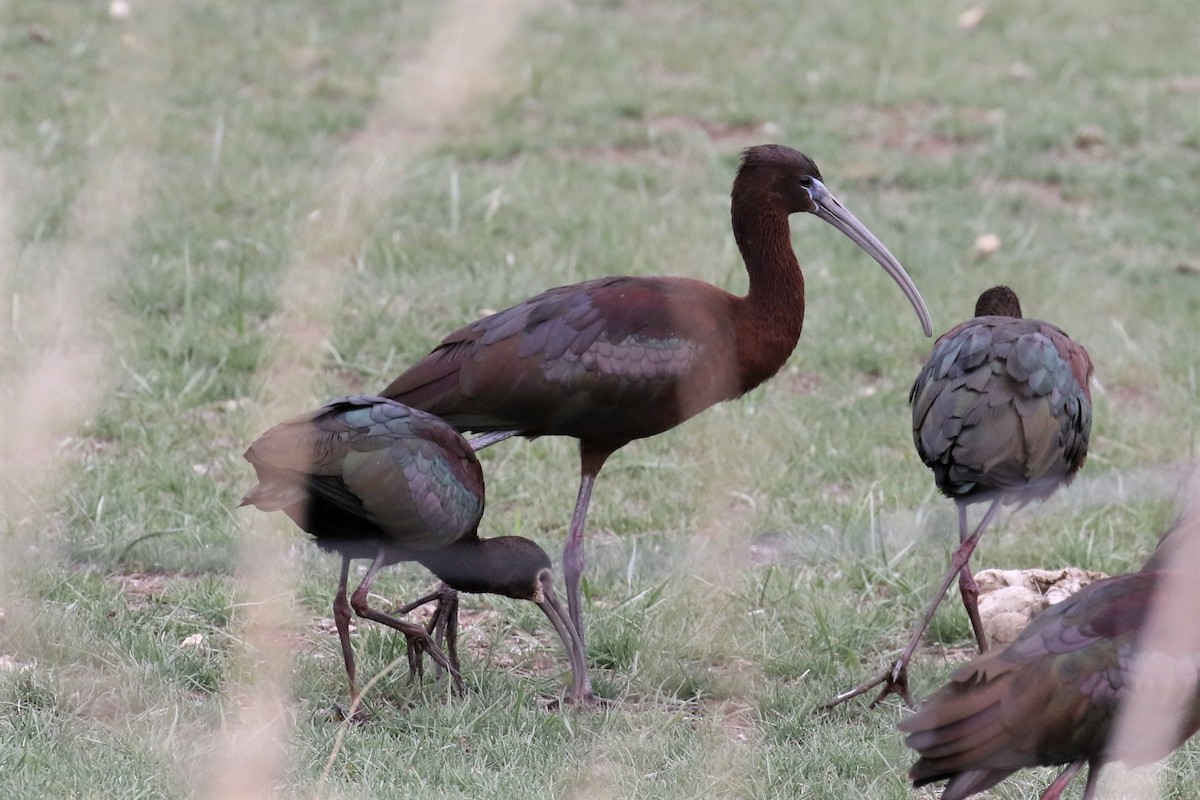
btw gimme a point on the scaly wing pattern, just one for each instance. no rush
(1003, 404)
(1048, 698)
(577, 360)
(367, 467)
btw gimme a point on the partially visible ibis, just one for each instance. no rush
(371, 478)
(1109, 674)
(616, 359)
(1001, 413)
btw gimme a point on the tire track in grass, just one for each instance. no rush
(455, 70)
(56, 352)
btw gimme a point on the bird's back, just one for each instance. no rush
(1051, 697)
(362, 472)
(1003, 404)
(608, 360)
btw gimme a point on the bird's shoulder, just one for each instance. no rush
(610, 342)
(1038, 356)
(614, 309)
(355, 423)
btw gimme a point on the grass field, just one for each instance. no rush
(216, 214)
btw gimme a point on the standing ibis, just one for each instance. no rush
(1001, 414)
(1127, 645)
(615, 359)
(371, 478)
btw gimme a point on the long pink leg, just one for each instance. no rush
(1054, 791)
(591, 460)
(894, 678)
(573, 557)
(968, 588)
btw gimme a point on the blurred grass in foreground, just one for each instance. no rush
(172, 177)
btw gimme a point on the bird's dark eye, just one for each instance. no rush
(806, 181)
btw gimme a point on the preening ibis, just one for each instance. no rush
(615, 359)
(371, 478)
(1001, 414)
(1054, 696)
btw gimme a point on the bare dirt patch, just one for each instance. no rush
(1044, 194)
(726, 135)
(796, 381)
(657, 150)
(143, 584)
(737, 721)
(1133, 397)
(921, 130)
(1185, 84)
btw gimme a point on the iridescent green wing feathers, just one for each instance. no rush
(403, 471)
(1002, 403)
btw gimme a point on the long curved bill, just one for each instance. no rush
(837, 215)
(572, 643)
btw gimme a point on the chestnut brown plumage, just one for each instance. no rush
(616, 359)
(1055, 695)
(371, 478)
(1001, 413)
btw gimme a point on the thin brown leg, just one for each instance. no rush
(443, 625)
(341, 618)
(894, 678)
(415, 634)
(408, 608)
(488, 439)
(416, 662)
(968, 588)
(449, 627)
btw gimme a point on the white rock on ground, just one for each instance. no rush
(1009, 598)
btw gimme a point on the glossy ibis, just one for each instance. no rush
(1125, 645)
(615, 359)
(371, 478)
(1001, 414)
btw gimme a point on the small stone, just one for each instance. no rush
(195, 640)
(986, 245)
(1007, 611)
(10, 664)
(1021, 72)
(970, 19)
(1009, 599)
(1089, 137)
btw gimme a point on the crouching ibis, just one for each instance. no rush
(370, 478)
